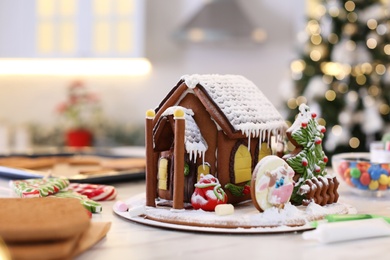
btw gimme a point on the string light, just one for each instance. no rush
(371, 43)
(327, 79)
(380, 69)
(337, 130)
(342, 88)
(372, 24)
(301, 100)
(384, 109)
(374, 91)
(361, 79)
(313, 27)
(315, 55)
(321, 121)
(330, 95)
(366, 68)
(350, 29)
(386, 49)
(292, 103)
(297, 66)
(352, 96)
(352, 17)
(349, 6)
(334, 11)
(333, 38)
(316, 39)
(354, 142)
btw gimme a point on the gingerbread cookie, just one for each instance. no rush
(272, 183)
(41, 219)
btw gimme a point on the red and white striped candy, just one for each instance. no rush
(94, 191)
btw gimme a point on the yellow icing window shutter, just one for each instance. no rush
(163, 174)
(242, 165)
(264, 150)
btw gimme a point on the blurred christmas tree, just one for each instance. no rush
(343, 73)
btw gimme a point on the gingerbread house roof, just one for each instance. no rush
(234, 103)
(246, 108)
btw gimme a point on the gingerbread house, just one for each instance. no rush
(217, 124)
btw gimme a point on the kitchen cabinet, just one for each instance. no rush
(71, 28)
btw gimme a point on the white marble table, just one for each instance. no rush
(128, 240)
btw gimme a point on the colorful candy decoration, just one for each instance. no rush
(272, 183)
(60, 187)
(31, 188)
(94, 191)
(92, 206)
(208, 193)
(365, 176)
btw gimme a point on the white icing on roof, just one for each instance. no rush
(246, 107)
(194, 141)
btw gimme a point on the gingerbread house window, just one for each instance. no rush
(242, 164)
(203, 169)
(264, 150)
(163, 174)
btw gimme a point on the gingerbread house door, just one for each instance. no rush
(165, 176)
(190, 178)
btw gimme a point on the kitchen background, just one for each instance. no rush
(258, 39)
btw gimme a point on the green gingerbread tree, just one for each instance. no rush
(308, 158)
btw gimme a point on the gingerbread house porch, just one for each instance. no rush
(217, 124)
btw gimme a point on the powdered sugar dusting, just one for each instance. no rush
(245, 215)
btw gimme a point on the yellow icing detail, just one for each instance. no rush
(150, 113)
(264, 150)
(179, 113)
(242, 164)
(203, 169)
(163, 174)
(373, 185)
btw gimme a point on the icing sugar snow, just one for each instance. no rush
(191, 81)
(245, 215)
(211, 194)
(315, 209)
(246, 107)
(196, 198)
(303, 117)
(278, 216)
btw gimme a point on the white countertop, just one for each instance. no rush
(129, 240)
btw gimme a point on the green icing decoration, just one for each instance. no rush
(311, 152)
(186, 169)
(236, 190)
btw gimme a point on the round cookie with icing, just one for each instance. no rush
(272, 183)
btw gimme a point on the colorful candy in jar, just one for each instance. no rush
(366, 176)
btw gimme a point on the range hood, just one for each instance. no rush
(220, 21)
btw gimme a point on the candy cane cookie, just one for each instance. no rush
(31, 188)
(92, 206)
(94, 191)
